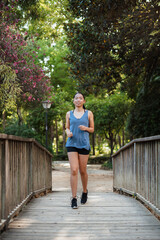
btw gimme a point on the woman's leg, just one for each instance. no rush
(83, 159)
(74, 166)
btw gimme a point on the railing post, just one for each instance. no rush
(3, 181)
(30, 180)
(1, 161)
(158, 174)
(135, 169)
(7, 180)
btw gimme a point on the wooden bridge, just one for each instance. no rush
(25, 172)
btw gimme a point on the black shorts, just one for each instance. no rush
(82, 151)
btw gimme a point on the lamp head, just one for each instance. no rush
(46, 104)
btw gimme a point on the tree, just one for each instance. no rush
(29, 82)
(92, 39)
(113, 41)
(138, 42)
(139, 50)
(10, 88)
(15, 53)
(110, 115)
(146, 110)
(116, 43)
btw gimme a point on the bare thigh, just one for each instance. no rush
(83, 160)
(73, 160)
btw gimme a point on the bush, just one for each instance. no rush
(107, 165)
(60, 157)
(20, 130)
(98, 159)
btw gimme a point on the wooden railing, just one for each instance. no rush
(136, 171)
(25, 171)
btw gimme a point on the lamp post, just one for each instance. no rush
(46, 105)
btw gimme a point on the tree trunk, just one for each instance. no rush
(119, 141)
(4, 119)
(64, 137)
(111, 142)
(52, 133)
(123, 138)
(99, 144)
(56, 136)
(20, 119)
(93, 143)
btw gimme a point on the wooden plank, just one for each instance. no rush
(105, 216)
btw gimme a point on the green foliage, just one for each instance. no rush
(60, 157)
(144, 117)
(138, 41)
(44, 18)
(61, 79)
(92, 39)
(20, 130)
(110, 112)
(107, 165)
(111, 44)
(99, 159)
(36, 120)
(110, 115)
(114, 42)
(26, 131)
(9, 87)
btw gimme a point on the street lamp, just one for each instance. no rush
(46, 105)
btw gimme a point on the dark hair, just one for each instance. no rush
(83, 97)
(79, 93)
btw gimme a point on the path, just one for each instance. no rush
(99, 180)
(106, 216)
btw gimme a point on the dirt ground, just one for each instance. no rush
(98, 180)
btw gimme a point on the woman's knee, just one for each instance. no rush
(83, 172)
(74, 171)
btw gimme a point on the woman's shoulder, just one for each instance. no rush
(68, 113)
(90, 112)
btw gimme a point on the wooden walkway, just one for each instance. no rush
(106, 216)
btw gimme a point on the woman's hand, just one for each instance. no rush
(83, 128)
(69, 134)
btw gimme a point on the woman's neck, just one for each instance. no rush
(79, 109)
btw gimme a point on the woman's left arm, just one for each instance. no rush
(89, 129)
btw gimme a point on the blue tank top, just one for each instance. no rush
(80, 139)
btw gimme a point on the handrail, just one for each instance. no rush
(25, 170)
(136, 171)
(146, 139)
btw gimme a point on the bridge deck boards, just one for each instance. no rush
(106, 216)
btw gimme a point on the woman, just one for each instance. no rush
(79, 123)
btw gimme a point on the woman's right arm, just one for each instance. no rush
(69, 133)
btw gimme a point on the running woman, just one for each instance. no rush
(79, 123)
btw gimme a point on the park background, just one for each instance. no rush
(108, 50)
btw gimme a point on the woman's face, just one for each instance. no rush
(78, 100)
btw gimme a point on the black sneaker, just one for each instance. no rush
(74, 203)
(84, 197)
